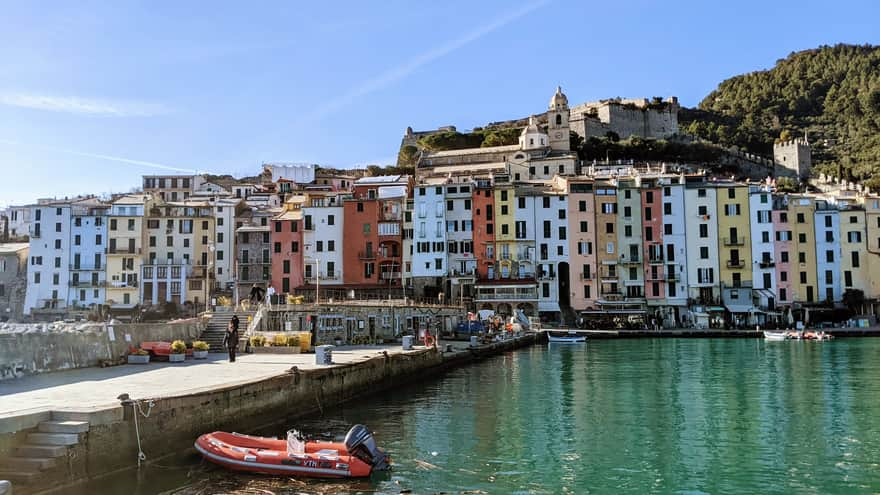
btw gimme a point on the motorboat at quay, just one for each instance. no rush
(810, 335)
(565, 336)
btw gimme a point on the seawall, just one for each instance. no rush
(174, 423)
(41, 349)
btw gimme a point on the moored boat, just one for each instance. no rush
(569, 337)
(775, 336)
(356, 457)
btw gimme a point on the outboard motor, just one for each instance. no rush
(361, 444)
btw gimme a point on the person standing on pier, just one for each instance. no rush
(230, 341)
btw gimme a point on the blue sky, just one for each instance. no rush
(95, 94)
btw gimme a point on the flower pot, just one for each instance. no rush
(200, 354)
(176, 358)
(135, 359)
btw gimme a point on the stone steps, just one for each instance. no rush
(63, 426)
(18, 476)
(52, 439)
(28, 464)
(41, 451)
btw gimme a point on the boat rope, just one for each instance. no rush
(136, 408)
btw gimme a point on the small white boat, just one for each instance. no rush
(775, 335)
(570, 337)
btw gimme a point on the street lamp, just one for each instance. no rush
(208, 278)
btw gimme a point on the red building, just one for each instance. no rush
(652, 223)
(287, 248)
(484, 227)
(373, 233)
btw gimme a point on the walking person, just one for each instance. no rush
(230, 341)
(235, 322)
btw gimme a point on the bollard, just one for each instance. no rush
(5, 487)
(407, 342)
(475, 341)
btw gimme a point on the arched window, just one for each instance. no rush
(558, 119)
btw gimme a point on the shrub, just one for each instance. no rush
(293, 341)
(178, 347)
(279, 340)
(140, 352)
(258, 341)
(200, 345)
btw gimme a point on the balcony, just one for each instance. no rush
(735, 263)
(87, 284)
(390, 275)
(83, 268)
(367, 255)
(656, 261)
(523, 257)
(124, 250)
(631, 260)
(256, 260)
(587, 276)
(673, 277)
(766, 264)
(734, 241)
(547, 276)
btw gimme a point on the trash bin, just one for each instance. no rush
(324, 354)
(475, 341)
(407, 342)
(305, 341)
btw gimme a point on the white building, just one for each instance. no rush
(19, 218)
(322, 243)
(550, 235)
(88, 260)
(460, 261)
(763, 236)
(827, 224)
(675, 248)
(429, 236)
(701, 231)
(224, 213)
(300, 173)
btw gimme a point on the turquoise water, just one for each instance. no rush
(686, 416)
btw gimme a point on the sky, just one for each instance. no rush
(94, 94)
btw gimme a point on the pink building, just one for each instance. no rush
(782, 253)
(652, 223)
(582, 244)
(287, 249)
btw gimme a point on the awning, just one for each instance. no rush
(615, 312)
(714, 308)
(740, 308)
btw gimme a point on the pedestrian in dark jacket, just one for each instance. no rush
(235, 322)
(230, 341)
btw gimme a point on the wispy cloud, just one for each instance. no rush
(98, 156)
(84, 106)
(397, 73)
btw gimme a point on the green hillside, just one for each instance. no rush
(832, 93)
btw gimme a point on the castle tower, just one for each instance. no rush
(794, 157)
(557, 122)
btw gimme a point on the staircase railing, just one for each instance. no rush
(257, 319)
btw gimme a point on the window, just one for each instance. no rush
(853, 219)
(450, 205)
(765, 236)
(828, 221)
(803, 277)
(285, 266)
(331, 219)
(627, 231)
(467, 204)
(649, 234)
(627, 211)
(169, 241)
(701, 193)
(367, 228)
(829, 256)
(112, 224)
(609, 228)
(648, 214)
(731, 193)
(627, 193)
(294, 247)
(704, 230)
(360, 206)
(783, 256)
(503, 195)
(521, 203)
(504, 209)
(277, 247)
(77, 240)
(562, 233)
(855, 259)
(667, 208)
(802, 237)
(854, 237)
(582, 205)
(829, 277)
(670, 252)
(783, 276)
(703, 210)
(562, 214)
(319, 246)
(277, 226)
(829, 236)
(704, 252)
(505, 230)
(583, 226)
(802, 257)
(800, 218)
(219, 237)
(667, 229)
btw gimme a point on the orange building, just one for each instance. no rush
(484, 227)
(652, 236)
(372, 233)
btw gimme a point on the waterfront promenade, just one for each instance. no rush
(94, 388)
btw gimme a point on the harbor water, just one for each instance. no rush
(686, 416)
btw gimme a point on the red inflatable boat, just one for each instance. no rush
(356, 457)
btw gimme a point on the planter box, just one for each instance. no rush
(200, 354)
(135, 359)
(275, 350)
(176, 358)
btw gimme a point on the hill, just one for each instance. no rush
(832, 93)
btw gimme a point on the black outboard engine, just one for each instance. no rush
(361, 444)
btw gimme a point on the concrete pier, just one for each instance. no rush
(75, 427)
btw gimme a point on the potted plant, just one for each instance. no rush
(293, 343)
(200, 349)
(258, 341)
(178, 351)
(279, 340)
(138, 356)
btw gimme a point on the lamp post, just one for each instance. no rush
(208, 278)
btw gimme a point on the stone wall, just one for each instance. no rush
(42, 348)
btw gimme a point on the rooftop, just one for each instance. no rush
(13, 247)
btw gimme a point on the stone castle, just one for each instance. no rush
(793, 156)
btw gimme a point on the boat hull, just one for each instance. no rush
(270, 456)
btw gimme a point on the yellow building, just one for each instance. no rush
(178, 255)
(505, 235)
(125, 239)
(606, 242)
(872, 246)
(853, 252)
(735, 247)
(801, 215)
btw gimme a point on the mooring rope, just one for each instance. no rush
(136, 408)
